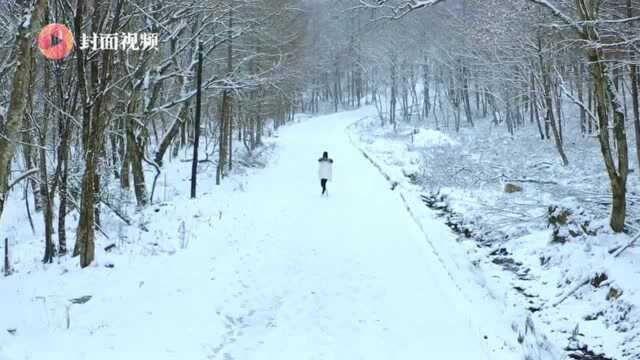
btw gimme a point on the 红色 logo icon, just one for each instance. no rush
(55, 41)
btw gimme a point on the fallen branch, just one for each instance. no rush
(587, 280)
(155, 178)
(629, 244)
(573, 291)
(26, 204)
(77, 206)
(23, 176)
(544, 182)
(199, 161)
(122, 217)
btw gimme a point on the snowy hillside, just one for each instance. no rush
(578, 281)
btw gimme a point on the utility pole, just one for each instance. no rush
(196, 141)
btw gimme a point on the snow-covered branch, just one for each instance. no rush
(398, 10)
(559, 14)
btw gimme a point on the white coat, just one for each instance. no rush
(325, 169)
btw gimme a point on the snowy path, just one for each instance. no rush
(352, 272)
(286, 275)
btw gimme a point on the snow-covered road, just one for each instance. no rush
(353, 273)
(277, 273)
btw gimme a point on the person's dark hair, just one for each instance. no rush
(325, 155)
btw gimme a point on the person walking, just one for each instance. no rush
(325, 171)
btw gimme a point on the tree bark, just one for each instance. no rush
(607, 104)
(225, 116)
(635, 97)
(27, 154)
(93, 126)
(465, 95)
(19, 92)
(426, 101)
(635, 80)
(580, 86)
(50, 251)
(548, 102)
(135, 156)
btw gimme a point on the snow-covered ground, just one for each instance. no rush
(265, 268)
(507, 236)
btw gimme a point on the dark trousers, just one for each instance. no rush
(323, 183)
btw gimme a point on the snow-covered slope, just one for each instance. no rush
(572, 285)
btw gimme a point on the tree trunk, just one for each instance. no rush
(62, 167)
(225, 116)
(607, 104)
(172, 133)
(533, 100)
(465, 96)
(19, 92)
(394, 93)
(50, 251)
(224, 137)
(580, 85)
(93, 126)
(27, 154)
(426, 101)
(559, 117)
(635, 80)
(135, 156)
(230, 142)
(550, 119)
(63, 163)
(635, 97)
(548, 102)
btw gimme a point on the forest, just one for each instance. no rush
(73, 128)
(88, 140)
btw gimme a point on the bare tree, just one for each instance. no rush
(33, 11)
